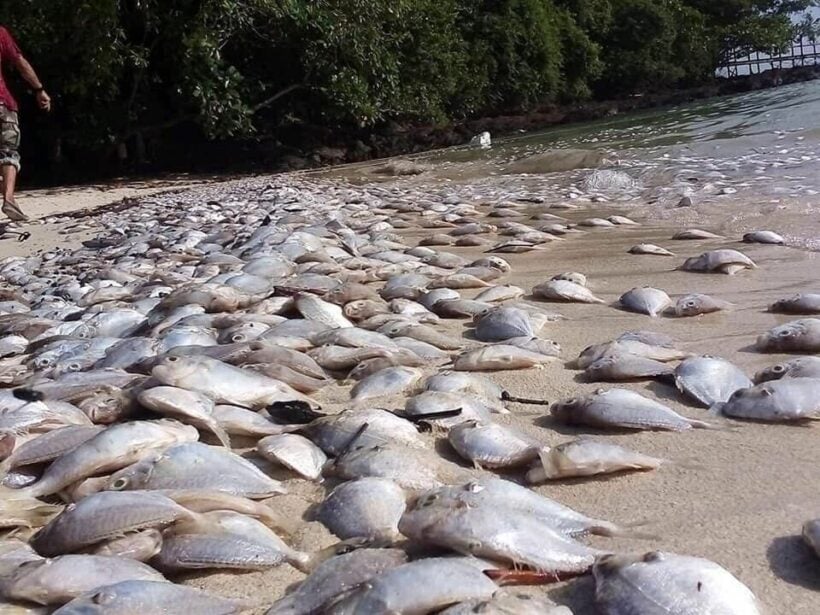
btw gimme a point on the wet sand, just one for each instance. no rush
(737, 496)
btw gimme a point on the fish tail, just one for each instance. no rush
(220, 433)
(22, 508)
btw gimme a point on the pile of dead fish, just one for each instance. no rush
(169, 381)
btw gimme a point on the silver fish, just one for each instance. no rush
(491, 445)
(662, 583)
(719, 261)
(801, 367)
(697, 304)
(709, 380)
(621, 408)
(646, 300)
(564, 290)
(295, 452)
(796, 336)
(801, 303)
(503, 323)
(787, 400)
(369, 507)
(587, 457)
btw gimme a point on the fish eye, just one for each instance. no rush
(653, 556)
(785, 333)
(103, 598)
(73, 367)
(173, 359)
(238, 337)
(690, 304)
(428, 501)
(119, 484)
(778, 369)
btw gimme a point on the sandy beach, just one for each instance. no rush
(736, 495)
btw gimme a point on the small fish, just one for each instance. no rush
(646, 300)
(187, 406)
(695, 234)
(621, 367)
(142, 597)
(763, 237)
(571, 276)
(719, 261)
(778, 401)
(587, 457)
(503, 323)
(795, 336)
(490, 445)
(801, 367)
(508, 603)
(649, 248)
(295, 452)
(697, 304)
(142, 545)
(622, 408)
(314, 308)
(801, 303)
(423, 586)
(369, 507)
(709, 380)
(662, 583)
(389, 381)
(61, 579)
(563, 290)
(335, 578)
(499, 357)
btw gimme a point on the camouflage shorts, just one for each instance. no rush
(9, 138)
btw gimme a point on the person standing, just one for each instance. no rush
(10, 55)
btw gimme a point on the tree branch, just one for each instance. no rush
(269, 101)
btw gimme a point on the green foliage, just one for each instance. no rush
(122, 68)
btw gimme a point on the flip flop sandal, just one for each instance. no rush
(14, 213)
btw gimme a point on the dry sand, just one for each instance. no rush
(737, 496)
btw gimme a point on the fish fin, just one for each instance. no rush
(220, 433)
(309, 563)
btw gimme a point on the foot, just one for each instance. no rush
(14, 213)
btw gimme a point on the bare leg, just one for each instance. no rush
(9, 173)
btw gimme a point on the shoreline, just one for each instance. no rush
(736, 496)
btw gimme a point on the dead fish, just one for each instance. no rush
(364, 309)
(369, 507)
(103, 516)
(719, 261)
(371, 426)
(188, 406)
(459, 281)
(763, 237)
(341, 358)
(497, 294)
(389, 381)
(508, 603)
(353, 337)
(433, 297)
(801, 367)
(621, 408)
(314, 308)
(811, 535)
(796, 336)
(48, 446)
(646, 300)
(650, 248)
(292, 378)
(489, 445)
(535, 344)
(143, 597)
(499, 357)
(587, 457)
(778, 401)
(61, 579)
(335, 578)
(446, 581)
(596, 222)
(295, 452)
(621, 367)
(622, 220)
(591, 354)
(225, 540)
(697, 304)
(225, 383)
(563, 290)
(461, 308)
(459, 382)
(180, 467)
(695, 234)
(662, 583)
(502, 323)
(423, 333)
(446, 410)
(808, 303)
(112, 449)
(709, 380)
(409, 468)
(462, 523)
(18, 510)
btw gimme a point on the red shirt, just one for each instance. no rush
(8, 52)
